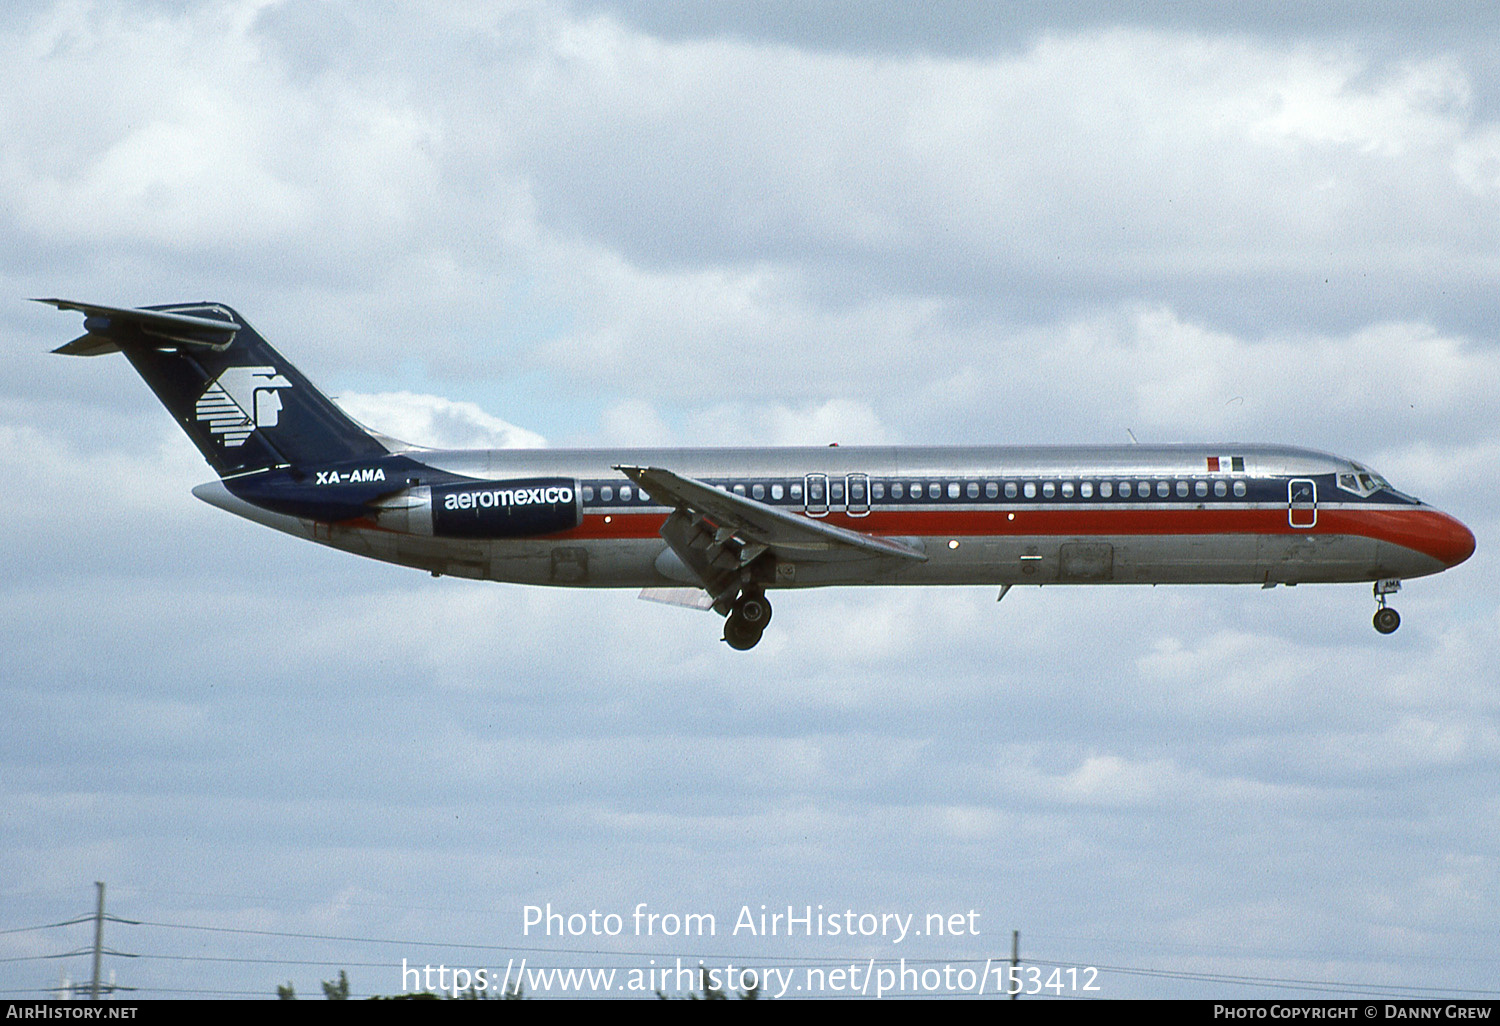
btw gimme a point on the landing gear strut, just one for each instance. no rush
(1386, 618)
(747, 620)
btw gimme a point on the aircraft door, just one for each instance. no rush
(816, 501)
(1302, 502)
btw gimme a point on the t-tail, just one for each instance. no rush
(276, 441)
(244, 406)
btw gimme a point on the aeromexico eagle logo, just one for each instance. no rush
(240, 400)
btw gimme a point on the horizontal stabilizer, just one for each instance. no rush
(109, 326)
(88, 345)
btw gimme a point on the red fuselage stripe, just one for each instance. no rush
(1421, 529)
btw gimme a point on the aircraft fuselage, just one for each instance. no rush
(980, 515)
(728, 525)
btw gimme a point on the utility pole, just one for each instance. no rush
(98, 941)
(1015, 956)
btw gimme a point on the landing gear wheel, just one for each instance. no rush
(753, 609)
(739, 635)
(747, 620)
(1387, 619)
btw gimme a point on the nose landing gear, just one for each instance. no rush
(1386, 618)
(747, 620)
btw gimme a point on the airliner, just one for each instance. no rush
(721, 528)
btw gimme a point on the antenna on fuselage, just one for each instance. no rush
(1133, 440)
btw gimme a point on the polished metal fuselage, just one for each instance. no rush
(962, 520)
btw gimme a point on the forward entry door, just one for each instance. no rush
(1302, 502)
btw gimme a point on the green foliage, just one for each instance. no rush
(337, 991)
(709, 994)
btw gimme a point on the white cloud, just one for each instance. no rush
(1173, 379)
(635, 422)
(842, 421)
(1106, 148)
(435, 422)
(205, 144)
(1327, 100)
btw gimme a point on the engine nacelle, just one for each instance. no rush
(521, 508)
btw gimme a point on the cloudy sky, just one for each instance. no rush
(753, 223)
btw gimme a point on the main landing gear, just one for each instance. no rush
(747, 619)
(1386, 618)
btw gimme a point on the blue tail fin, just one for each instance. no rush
(237, 398)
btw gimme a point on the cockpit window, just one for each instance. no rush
(1362, 482)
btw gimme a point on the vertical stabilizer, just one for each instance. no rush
(243, 405)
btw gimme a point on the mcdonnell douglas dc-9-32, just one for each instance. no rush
(720, 528)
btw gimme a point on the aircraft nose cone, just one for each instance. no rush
(1452, 541)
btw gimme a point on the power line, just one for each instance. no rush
(48, 926)
(614, 956)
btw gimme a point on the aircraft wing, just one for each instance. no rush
(758, 523)
(719, 535)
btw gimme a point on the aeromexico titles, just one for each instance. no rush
(720, 528)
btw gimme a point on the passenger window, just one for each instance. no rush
(897, 489)
(1030, 489)
(624, 493)
(1124, 489)
(1220, 489)
(1200, 488)
(777, 492)
(1182, 489)
(1067, 489)
(973, 490)
(1049, 490)
(1010, 489)
(836, 491)
(815, 491)
(739, 489)
(607, 494)
(935, 490)
(1106, 489)
(1086, 489)
(991, 490)
(758, 491)
(953, 489)
(878, 490)
(1163, 489)
(856, 491)
(1239, 489)
(588, 493)
(796, 491)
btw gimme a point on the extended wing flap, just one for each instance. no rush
(760, 524)
(688, 598)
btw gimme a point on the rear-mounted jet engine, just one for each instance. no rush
(522, 508)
